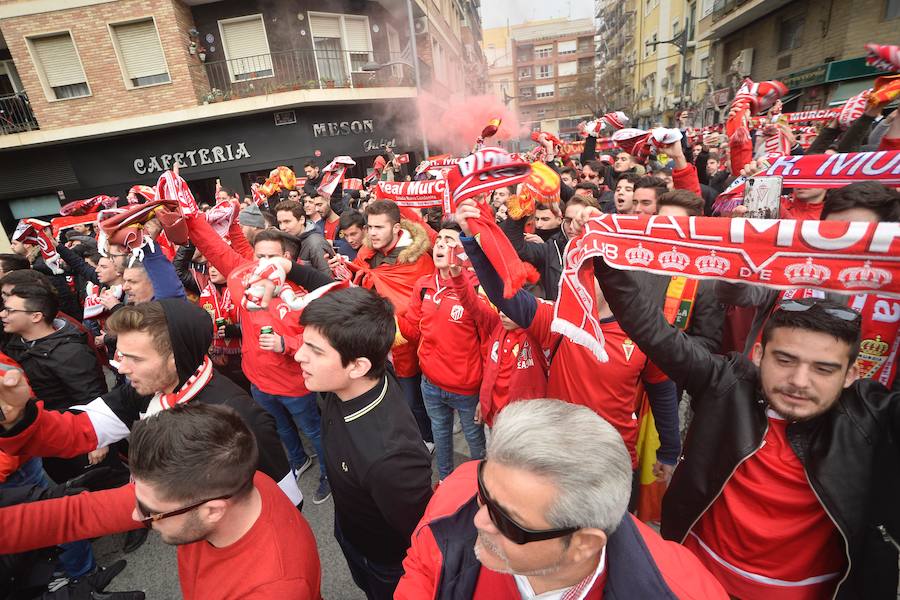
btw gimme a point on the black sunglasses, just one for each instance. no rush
(804, 304)
(508, 527)
(153, 517)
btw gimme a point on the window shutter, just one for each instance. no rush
(357, 34)
(568, 68)
(57, 57)
(567, 46)
(246, 46)
(140, 49)
(545, 89)
(324, 27)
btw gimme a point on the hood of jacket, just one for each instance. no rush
(191, 333)
(418, 242)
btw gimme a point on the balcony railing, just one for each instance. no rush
(722, 8)
(295, 70)
(16, 115)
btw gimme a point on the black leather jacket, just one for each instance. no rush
(850, 454)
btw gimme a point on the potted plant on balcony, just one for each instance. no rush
(201, 53)
(312, 84)
(328, 83)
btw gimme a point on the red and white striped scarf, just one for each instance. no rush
(32, 231)
(171, 186)
(333, 174)
(187, 392)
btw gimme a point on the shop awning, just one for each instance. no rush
(847, 89)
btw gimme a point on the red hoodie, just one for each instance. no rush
(272, 372)
(450, 322)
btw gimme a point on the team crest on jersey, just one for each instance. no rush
(873, 353)
(456, 312)
(283, 310)
(628, 349)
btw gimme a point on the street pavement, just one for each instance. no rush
(154, 569)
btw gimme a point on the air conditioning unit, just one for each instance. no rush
(421, 25)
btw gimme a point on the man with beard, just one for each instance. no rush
(161, 349)
(538, 518)
(196, 483)
(787, 486)
(330, 219)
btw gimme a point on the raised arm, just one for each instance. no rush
(217, 252)
(77, 264)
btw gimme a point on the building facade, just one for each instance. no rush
(651, 63)
(554, 74)
(497, 46)
(815, 48)
(99, 95)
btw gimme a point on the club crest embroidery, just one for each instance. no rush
(628, 349)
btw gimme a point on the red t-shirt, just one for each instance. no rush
(276, 558)
(331, 229)
(609, 389)
(770, 529)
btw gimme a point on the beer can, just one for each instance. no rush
(266, 329)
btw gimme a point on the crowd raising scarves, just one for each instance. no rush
(726, 377)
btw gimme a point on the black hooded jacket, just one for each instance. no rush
(190, 330)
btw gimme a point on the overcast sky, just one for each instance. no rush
(496, 13)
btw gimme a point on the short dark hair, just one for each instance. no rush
(269, 235)
(310, 163)
(93, 256)
(194, 451)
(292, 206)
(653, 183)
(13, 262)
(229, 191)
(384, 207)
(572, 172)
(629, 176)
(870, 195)
(818, 318)
(589, 186)
(685, 199)
(357, 322)
(586, 201)
(349, 218)
(451, 225)
(27, 277)
(38, 298)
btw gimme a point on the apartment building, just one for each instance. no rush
(99, 95)
(497, 45)
(554, 73)
(815, 48)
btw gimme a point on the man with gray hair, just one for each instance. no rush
(538, 519)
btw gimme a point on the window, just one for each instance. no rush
(543, 51)
(57, 60)
(544, 91)
(342, 44)
(892, 9)
(36, 206)
(704, 67)
(567, 89)
(567, 47)
(394, 48)
(527, 93)
(246, 48)
(140, 53)
(707, 8)
(545, 72)
(568, 68)
(675, 27)
(541, 113)
(525, 73)
(9, 79)
(790, 33)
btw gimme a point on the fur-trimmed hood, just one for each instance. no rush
(414, 243)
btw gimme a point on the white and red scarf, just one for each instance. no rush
(171, 186)
(333, 174)
(781, 253)
(187, 392)
(32, 231)
(415, 194)
(221, 216)
(821, 171)
(93, 307)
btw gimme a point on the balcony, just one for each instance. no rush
(16, 115)
(730, 15)
(224, 80)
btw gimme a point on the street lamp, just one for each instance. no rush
(372, 67)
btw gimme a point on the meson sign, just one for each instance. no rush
(340, 128)
(191, 158)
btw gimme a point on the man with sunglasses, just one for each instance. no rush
(536, 519)
(788, 484)
(195, 482)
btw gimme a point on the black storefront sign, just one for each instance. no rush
(228, 147)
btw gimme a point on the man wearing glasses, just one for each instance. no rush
(788, 484)
(535, 519)
(195, 482)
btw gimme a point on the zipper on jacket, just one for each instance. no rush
(887, 537)
(730, 475)
(836, 526)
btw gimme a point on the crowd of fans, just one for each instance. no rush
(340, 336)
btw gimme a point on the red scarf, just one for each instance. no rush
(821, 171)
(32, 231)
(171, 186)
(219, 306)
(828, 255)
